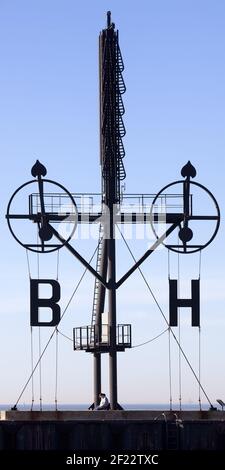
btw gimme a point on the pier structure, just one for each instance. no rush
(172, 209)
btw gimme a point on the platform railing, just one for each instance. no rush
(92, 337)
(91, 203)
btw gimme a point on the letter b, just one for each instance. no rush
(36, 302)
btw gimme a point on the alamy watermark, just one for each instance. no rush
(131, 221)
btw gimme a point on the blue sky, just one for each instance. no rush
(175, 111)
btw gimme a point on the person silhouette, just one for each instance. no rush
(104, 402)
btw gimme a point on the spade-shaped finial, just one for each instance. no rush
(188, 170)
(38, 169)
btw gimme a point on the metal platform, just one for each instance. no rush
(132, 208)
(93, 338)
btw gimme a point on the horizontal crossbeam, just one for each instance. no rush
(121, 218)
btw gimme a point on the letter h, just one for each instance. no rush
(193, 302)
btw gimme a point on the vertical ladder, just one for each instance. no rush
(172, 436)
(97, 282)
(112, 87)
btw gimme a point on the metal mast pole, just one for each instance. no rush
(112, 309)
(99, 309)
(112, 151)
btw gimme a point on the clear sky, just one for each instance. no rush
(175, 112)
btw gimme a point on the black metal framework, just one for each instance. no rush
(93, 338)
(112, 87)
(185, 233)
(132, 208)
(42, 218)
(99, 338)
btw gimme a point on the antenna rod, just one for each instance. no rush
(108, 19)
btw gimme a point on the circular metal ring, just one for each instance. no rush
(217, 217)
(8, 217)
